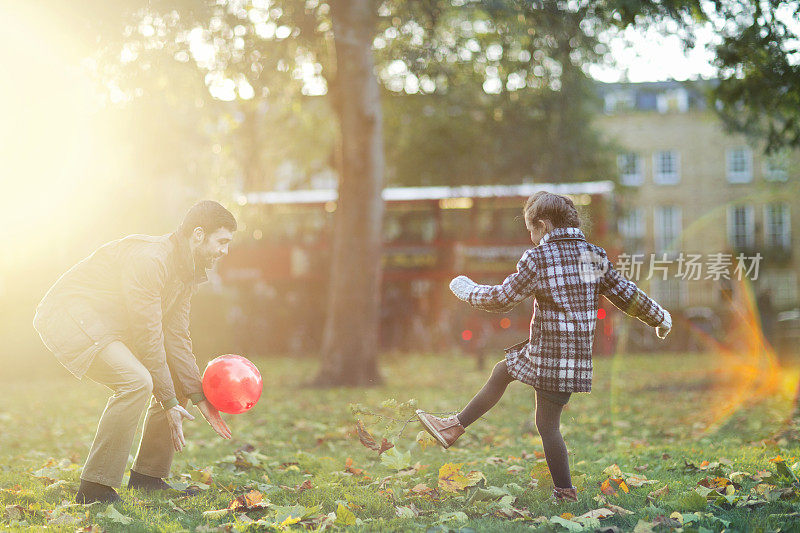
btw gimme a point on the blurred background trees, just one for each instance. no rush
(118, 115)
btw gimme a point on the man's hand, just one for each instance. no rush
(462, 287)
(212, 416)
(175, 416)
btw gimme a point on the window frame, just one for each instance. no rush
(660, 243)
(786, 222)
(750, 235)
(631, 180)
(661, 178)
(739, 176)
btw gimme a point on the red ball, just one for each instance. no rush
(232, 383)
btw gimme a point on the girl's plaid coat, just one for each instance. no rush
(566, 275)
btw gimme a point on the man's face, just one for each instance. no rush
(211, 246)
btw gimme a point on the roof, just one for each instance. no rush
(399, 194)
(644, 96)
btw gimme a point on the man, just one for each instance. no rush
(121, 317)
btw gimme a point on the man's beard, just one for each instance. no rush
(203, 259)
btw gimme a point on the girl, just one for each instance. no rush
(566, 275)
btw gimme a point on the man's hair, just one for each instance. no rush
(559, 210)
(208, 215)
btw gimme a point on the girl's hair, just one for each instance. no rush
(559, 210)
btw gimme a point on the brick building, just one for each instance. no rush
(688, 188)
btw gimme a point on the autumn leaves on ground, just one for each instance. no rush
(664, 441)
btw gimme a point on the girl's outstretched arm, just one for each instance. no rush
(498, 298)
(624, 294)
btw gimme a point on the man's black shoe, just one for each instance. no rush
(147, 483)
(90, 492)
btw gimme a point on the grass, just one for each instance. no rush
(648, 414)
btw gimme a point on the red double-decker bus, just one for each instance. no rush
(431, 234)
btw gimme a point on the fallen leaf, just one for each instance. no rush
(409, 511)
(305, 485)
(288, 521)
(58, 485)
(63, 519)
(643, 526)
(639, 481)
(366, 438)
(663, 491)
(738, 477)
(515, 469)
(115, 516)
(348, 467)
(344, 516)
(606, 488)
(619, 510)
(451, 479)
(599, 514)
(216, 513)
(718, 483)
(567, 523)
(666, 522)
(247, 502)
(203, 476)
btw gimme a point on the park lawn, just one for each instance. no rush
(680, 420)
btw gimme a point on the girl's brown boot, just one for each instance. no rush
(565, 495)
(444, 430)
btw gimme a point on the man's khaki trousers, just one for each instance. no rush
(118, 369)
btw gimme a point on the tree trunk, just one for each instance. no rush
(350, 338)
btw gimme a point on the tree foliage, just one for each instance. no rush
(756, 55)
(474, 92)
(490, 92)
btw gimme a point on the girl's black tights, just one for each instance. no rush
(548, 422)
(488, 396)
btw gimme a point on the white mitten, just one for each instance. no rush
(462, 287)
(663, 330)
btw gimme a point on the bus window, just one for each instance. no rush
(409, 225)
(456, 224)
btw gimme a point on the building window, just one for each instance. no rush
(667, 228)
(632, 229)
(741, 234)
(673, 101)
(630, 169)
(739, 165)
(782, 286)
(776, 226)
(620, 100)
(666, 167)
(776, 166)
